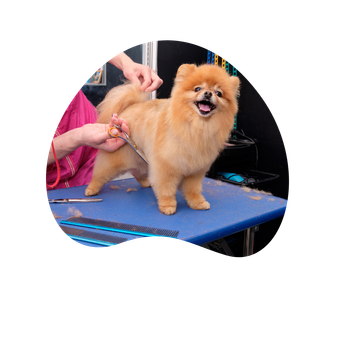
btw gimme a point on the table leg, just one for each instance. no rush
(248, 245)
(220, 246)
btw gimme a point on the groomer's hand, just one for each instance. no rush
(144, 75)
(96, 135)
(137, 73)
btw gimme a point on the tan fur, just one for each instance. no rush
(179, 144)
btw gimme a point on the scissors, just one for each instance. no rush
(75, 200)
(127, 139)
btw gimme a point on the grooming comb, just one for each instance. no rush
(119, 227)
(91, 237)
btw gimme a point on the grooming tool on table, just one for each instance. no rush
(119, 227)
(127, 140)
(75, 200)
(91, 237)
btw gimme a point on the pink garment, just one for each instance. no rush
(76, 168)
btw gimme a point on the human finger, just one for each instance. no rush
(121, 122)
(114, 120)
(157, 82)
(145, 73)
(125, 127)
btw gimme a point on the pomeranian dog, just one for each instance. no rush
(180, 136)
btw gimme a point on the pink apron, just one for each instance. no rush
(76, 168)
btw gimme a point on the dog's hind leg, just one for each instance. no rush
(141, 176)
(108, 165)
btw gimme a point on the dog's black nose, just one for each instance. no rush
(207, 94)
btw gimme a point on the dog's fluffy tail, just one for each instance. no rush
(118, 99)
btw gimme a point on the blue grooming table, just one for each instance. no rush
(233, 209)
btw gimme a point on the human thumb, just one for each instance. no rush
(113, 132)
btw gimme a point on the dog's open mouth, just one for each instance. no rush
(205, 107)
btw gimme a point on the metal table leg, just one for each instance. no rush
(220, 246)
(248, 245)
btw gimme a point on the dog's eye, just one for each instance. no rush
(197, 89)
(218, 94)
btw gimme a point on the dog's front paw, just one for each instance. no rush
(167, 210)
(167, 206)
(203, 205)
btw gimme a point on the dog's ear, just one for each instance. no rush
(235, 84)
(183, 70)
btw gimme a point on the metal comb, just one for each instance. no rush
(92, 237)
(119, 227)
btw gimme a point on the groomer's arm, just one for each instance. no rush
(122, 61)
(64, 145)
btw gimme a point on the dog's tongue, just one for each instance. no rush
(204, 107)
